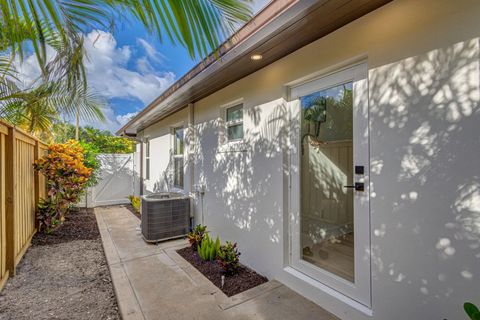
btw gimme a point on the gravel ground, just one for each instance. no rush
(62, 276)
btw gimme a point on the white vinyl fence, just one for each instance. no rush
(117, 179)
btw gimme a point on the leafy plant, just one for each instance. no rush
(196, 236)
(66, 176)
(54, 31)
(198, 26)
(35, 109)
(208, 249)
(90, 153)
(317, 110)
(102, 140)
(471, 310)
(49, 214)
(228, 258)
(135, 201)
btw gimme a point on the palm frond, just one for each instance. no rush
(26, 25)
(7, 68)
(198, 25)
(8, 97)
(37, 109)
(89, 102)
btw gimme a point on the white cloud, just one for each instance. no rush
(151, 52)
(124, 118)
(113, 121)
(113, 72)
(143, 65)
(28, 70)
(108, 72)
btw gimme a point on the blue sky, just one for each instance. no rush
(130, 68)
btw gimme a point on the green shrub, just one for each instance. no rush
(471, 310)
(208, 249)
(135, 201)
(195, 237)
(99, 139)
(228, 258)
(90, 160)
(66, 176)
(49, 215)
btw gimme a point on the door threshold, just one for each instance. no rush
(332, 292)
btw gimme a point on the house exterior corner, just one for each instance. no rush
(238, 153)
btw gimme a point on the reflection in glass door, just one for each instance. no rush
(330, 240)
(326, 214)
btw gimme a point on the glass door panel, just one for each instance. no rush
(326, 214)
(329, 193)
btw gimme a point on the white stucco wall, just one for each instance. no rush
(423, 59)
(160, 137)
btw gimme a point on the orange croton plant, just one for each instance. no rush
(66, 176)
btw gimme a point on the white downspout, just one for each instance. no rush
(191, 158)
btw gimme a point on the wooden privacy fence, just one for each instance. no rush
(20, 189)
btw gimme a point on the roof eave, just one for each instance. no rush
(262, 18)
(279, 29)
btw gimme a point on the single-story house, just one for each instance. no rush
(338, 142)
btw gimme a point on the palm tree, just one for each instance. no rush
(59, 91)
(197, 25)
(36, 109)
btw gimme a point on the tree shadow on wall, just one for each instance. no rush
(425, 183)
(244, 180)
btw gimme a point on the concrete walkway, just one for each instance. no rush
(154, 282)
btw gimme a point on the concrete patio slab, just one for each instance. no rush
(154, 282)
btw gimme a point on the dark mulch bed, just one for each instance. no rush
(62, 276)
(79, 224)
(244, 280)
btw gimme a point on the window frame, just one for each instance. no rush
(179, 156)
(236, 122)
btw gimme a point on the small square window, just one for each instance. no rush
(234, 122)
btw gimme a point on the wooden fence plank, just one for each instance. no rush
(38, 152)
(21, 188)
(23, 137)
(3, 243)
(10, 175)
(25, 196)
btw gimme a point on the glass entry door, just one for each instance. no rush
(330, 233)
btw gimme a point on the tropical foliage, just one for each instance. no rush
(331, 110)
(199, 26)
(67, 176)
(135, 202)
(90, 160)
(36, 109)
(207, 249)
(228, 258)
(54, 25)
(196, 236)
(472, 311)
(102, 140)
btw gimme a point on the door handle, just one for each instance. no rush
(359, 186)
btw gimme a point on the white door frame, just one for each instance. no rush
(360, 290)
